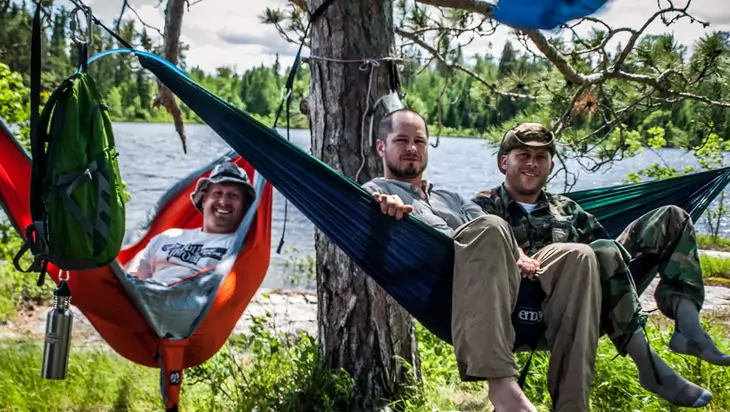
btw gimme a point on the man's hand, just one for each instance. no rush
(392, 205)
(528, 266)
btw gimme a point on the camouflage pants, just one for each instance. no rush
(661, 241)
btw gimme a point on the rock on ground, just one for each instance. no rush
(716, 297)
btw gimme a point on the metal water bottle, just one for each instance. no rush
(58, 334)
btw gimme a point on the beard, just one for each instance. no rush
(409, 171)
(531, 188)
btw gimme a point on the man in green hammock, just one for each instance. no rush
(486, 278)
(486, 283)
(666, 235)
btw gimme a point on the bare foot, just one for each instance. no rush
(506, 396)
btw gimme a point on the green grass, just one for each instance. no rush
(715, 267)
(711, 243)
(97, 380)
(615, 388)
(284, 374)
(276, 375)
(17, 288)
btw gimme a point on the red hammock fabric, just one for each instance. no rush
(103, 300)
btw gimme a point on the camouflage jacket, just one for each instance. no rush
(555, 219)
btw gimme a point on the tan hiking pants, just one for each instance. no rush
(486, 284)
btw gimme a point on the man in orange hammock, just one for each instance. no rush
(176, 254)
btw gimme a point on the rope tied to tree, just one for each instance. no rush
(368, 65)
(286, 97)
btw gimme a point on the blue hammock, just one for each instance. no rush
(410, 260)
(543, 14)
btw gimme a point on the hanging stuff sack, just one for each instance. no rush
(528, 322)
(77, 197)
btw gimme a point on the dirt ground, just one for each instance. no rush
(290, 311)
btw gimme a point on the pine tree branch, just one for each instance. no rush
(485, 8)
(475, 6)
(121, 14)
(679, 13)
(416, 40)
(191, 4)
(658, 84)
(129, 6)
(276, 17)
(559, 124)
(599, 48)
(558, 58)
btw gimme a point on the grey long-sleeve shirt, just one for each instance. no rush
(441, 209)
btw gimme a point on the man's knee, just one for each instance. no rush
(582, 252)
(489, 222)
(670, 215)
(580, 257)
(673, 212)
(578, 251)
(610, 253)
(483, 227)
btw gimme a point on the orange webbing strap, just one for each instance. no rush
(172, 354)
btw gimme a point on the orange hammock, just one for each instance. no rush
(102, 298)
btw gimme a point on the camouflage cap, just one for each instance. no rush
(526, 134)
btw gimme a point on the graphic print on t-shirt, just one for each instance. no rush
(192, 253)
(177, 254)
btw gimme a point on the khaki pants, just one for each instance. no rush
(486, 284)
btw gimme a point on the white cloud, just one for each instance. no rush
(228, 32)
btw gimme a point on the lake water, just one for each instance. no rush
(151, 160)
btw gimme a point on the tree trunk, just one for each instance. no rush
(361, 328)
(171, 50)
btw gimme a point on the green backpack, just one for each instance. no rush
(77, 195)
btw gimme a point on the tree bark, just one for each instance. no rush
(171, 50)
(361, 328)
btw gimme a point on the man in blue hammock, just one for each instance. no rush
(491, 255)
(176, 254)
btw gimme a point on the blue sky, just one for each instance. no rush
(228, 32)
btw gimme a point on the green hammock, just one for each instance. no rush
(617, 206)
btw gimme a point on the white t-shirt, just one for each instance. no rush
(529, 207)
(176, 254)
